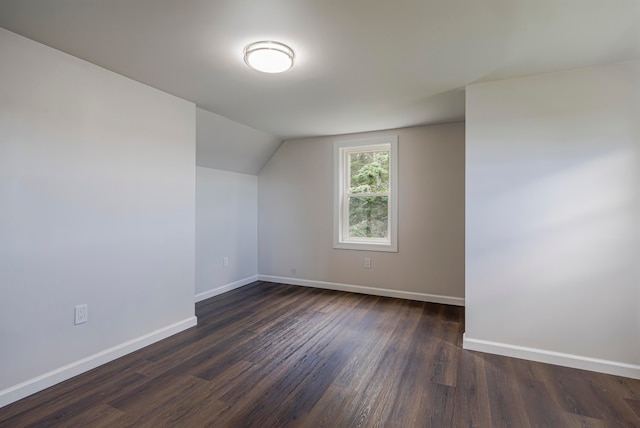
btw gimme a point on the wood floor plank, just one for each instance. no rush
(66, 393)
(440, 407)
(100, 416)
(349, 388)
(274, 355)
(578, 421)
(472, 407)
(381, 390)
(83, 399)
(312, 361)
(634, 404)
(158, 401)
(542, 412)
(588, 396)
(621, 386)
(419, 377)
(506, 402)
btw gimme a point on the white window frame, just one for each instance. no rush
(341, 151)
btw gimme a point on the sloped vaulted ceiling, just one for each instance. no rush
(361, 65)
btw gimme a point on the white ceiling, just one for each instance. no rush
(361, 65)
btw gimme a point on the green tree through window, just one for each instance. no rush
(368, 194)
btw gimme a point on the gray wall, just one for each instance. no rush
(553, 218)
(97, 206)
(295, 203)
(226, 226)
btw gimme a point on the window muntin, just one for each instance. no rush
(366, 193)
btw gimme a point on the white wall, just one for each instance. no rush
(553, 218)
(226, 226)
(295, 203)
(97, 206)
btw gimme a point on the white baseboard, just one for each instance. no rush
(224, 288)
(552, 357)
(409, 295)
(36, 384)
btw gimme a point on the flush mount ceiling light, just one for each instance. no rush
(268, 57)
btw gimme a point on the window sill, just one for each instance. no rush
(388, 248)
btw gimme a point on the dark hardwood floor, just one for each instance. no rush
(273, 355)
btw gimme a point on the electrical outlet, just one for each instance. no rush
(82, 314)
(367, 262)
(225, 262)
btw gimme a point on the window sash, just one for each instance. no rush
(347, 194)
(347, 220)
(343, 194)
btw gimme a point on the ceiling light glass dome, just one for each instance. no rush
(268, 57)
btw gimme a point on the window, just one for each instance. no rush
(366, 194)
